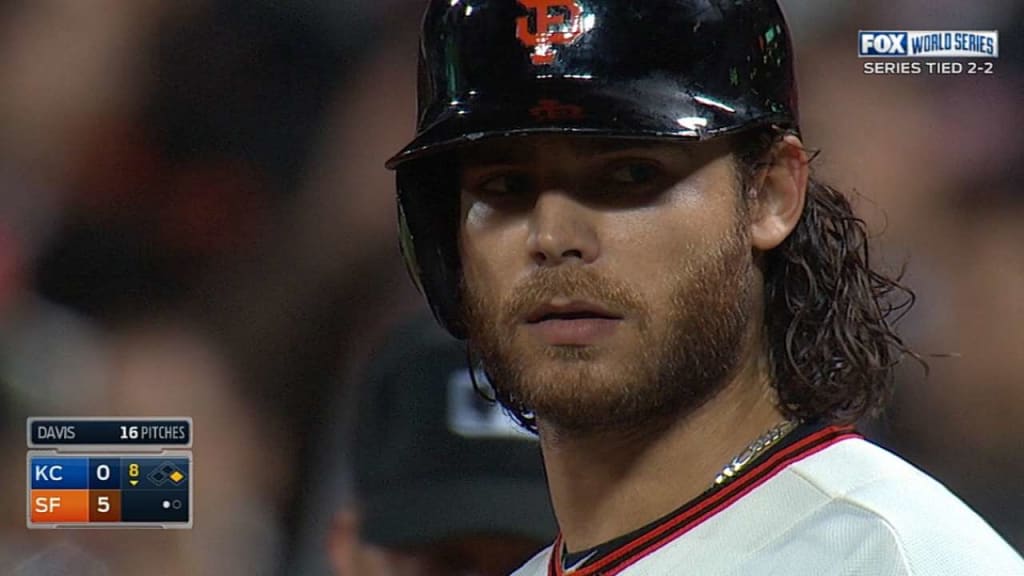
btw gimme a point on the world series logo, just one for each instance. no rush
(928, 51)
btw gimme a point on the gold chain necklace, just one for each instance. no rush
(755, 449)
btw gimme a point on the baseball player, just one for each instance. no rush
(611, 202)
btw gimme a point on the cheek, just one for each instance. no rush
(650, 247)
(488, 251)
(477, 214)
(657, 247)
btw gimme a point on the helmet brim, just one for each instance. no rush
(593, 111)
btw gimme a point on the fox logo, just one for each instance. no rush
(549, 23)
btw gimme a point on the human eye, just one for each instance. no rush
(502, 185)
(628, 179)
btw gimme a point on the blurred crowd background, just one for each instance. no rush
(195, 221)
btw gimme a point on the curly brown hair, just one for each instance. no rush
(829, 315)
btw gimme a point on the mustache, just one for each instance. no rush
(574, 283)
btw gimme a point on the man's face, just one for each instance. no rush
(606, 282)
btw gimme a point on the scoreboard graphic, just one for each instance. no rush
(109, 473)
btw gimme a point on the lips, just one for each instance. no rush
(570, 310)
(572, 323)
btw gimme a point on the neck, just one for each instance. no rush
(604, 486)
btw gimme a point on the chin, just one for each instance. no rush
(565, 376)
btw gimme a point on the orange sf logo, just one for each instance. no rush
(554, 23)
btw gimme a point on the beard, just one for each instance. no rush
(681, 355)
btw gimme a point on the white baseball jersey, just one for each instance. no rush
(822, 502)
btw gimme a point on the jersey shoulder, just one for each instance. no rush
(928, 528)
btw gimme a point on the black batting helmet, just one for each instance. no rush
(650, 69)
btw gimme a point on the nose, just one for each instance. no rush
(561, 230)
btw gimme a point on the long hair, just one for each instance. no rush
(829, 314)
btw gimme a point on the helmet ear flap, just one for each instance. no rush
(408, 250)
(428, 209)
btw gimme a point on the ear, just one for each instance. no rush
(779, 192)
(342, 541)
